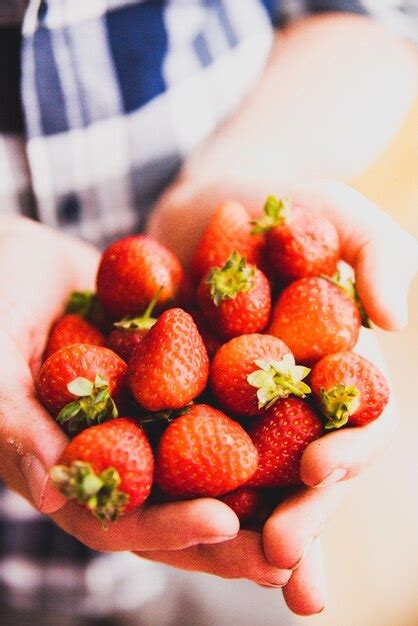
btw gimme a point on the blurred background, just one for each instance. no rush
(371, 549)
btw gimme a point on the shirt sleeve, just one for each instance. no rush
(401, 16)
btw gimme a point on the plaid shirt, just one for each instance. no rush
(114, 95)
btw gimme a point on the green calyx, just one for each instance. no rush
(97, 492)
(338, 404)
(144, 321)
(83, 303)
(276, 211)
(346, 282)
(278, 379)
(234, 277)
(93, 406)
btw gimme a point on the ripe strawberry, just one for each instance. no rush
(170, 366)
(204, 453)
(107, 468)
(280, 436)
(130, 273)
(349, 389)
(229, 229)
(77, 384)
(69, 329)
(235, 298)
(314, 318)
(129, 332)
(244, 501)
(299, 242)
(237, 382)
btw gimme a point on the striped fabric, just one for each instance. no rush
(101, 102)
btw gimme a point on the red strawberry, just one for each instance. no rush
(229, 229)
(244, 501)
(130, 273)
(299, 242)
(349, 389)
(314, 318)
(107, 468)
(70, 329)
(129, 332)
(204, 453)
(170, 366)
(211, 341)
(235, 298)
(280, 436)
(245, 374)
(77, 384)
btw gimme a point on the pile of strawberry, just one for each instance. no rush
(212, 384)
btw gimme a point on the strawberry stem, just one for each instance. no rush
(97, 492)
(94, 404)
(278, 379)
(338, 404)
(234, 277)
(143, 322)
(276, 211)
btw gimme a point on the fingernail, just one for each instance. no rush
(265, 583)
(45, 497)
(334, 477)
(218, 539)
(304, 555)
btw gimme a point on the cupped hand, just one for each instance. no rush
(38, 270)
(385, 259)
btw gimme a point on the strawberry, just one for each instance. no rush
(204, 453)
(299, 242)
(349, 389)
(130, 273)
(77, 384)
(249, 372)
(129, 332)
(107, 468)
(314, 318)
(69, 329)
(235, 298)
(244, 501)
(280, 436)
(170, 366)
(229, 229)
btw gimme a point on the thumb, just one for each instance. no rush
(384, 272)
(30, 441)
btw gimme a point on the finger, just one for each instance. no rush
(345, 453)
(30, 441)
(385, 257)
(305, 593)
(293, 526)
(241, 557)
(171, 526)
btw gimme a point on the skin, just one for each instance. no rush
(252, 155)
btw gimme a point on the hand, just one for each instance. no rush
(38, 270)
(385, 259)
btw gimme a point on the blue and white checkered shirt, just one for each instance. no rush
(101, 102)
